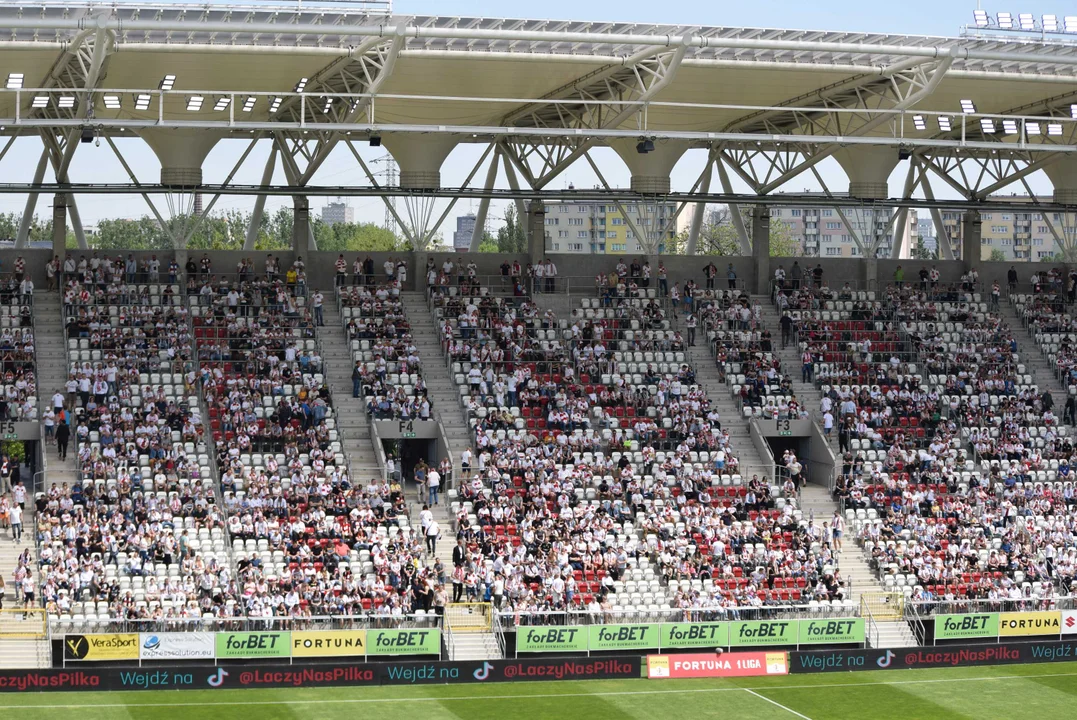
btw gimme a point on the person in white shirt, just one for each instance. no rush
(15, 515)
(433, 484)
(316, 300)
(49, 418)
(433, 531)
(465, 461)
(425, 518)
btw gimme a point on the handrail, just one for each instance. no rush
(450, 644)
(872, 630)
(603, 617)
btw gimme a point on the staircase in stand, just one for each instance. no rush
(1032, 357)
(352, 422)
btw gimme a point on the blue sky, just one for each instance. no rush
(917, 17)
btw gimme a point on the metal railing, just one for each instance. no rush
(871, 630)
(507, 621)
(366, 621)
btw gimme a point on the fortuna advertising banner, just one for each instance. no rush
(711, 665)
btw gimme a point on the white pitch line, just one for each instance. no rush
(475, 698)
(774, 702)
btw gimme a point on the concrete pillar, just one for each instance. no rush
(970, 238)
(871, 273)
(181, 153)
(59, 225)
(868, 169)
(300, 224)
(1063, 174)
(761, 248)
(650, 171)
(420, 158)
(536, 231)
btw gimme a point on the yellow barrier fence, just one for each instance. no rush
(883, 606)
(469, 617)
(29, 623)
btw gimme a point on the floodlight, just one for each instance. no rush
(142, 101)
(1009, 127)
(274, 104)
(40, 101)
(981, 18)
(1005, 21)
(987, 125)
(248, 104)
(1026, 21)
(194, 103)
(1073, 111)
(945, 124)
(328, 106)
(112, 102)
(968, 107)
(221, 104)
(1033, 128)
(167, 82)
(918, 122)
(1054, 129)
(299, 86)
(66, 102)
(1070, 23)
(14, 81)
(1049, 23)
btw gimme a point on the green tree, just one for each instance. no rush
(997, 256)
(511, 237)
(920, 251)
(718, 235)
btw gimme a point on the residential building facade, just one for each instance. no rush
(338, 212)
(600, 228)
(465, 228)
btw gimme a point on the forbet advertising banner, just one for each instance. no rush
(623, 637)
(835, 631)
(710, 665)
(336, 643)
(176, 646)
(107, 646)
(426, 641)
(1027, 624)
(688, 635)
(763, 632)
(551, 639)
(253, 645)
(959, 627)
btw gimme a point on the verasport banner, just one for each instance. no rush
(176, 646)
(710, 665)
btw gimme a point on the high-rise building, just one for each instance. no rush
(337, 212)
(1014, 236)
(586, 226)
(465, 228)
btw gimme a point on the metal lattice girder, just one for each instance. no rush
(638, 80)
(900, 88)
(362, 72)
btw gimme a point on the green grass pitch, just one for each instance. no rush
(1040, 692)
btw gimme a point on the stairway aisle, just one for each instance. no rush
(52, 373)
(351, 418)
(807, 393)
(1032, 357)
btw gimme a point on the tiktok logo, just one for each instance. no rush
(483, 672)
(218, 679)
(884, 662)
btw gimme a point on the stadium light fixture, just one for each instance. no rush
(1026, 21)
(918, 122)
(1069, 23)
(14, 81)
(1009, 127)
(1054, 129)
(987, 125)
(221, 104)
(1033, 128)
(1049, 23)
(274, 104)
(1073, 111)
(112, 102)
(167, 82)
(194, 103)
(66, 102)
(248, 104)
(142, 101)
(968, 107)
(40, 101)
(945, 123)
(328, 106)
(981, 17)
(301, 85)
(1005, 21)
